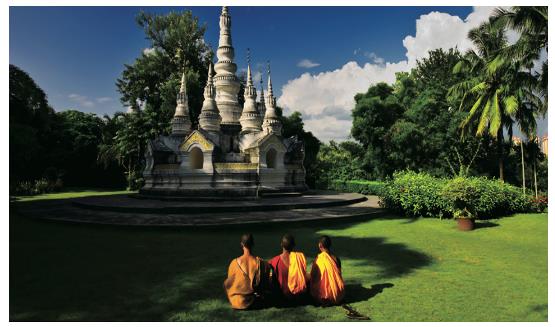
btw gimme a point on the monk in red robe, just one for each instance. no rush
(326, 283)
(248, 278)
(290, 270)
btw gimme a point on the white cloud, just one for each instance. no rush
(82, 100)
(326, 99)
(307, 63)
(440, 30)
(374, 58)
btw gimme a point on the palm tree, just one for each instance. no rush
(531, 23)
(494, 99)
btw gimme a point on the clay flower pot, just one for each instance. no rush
(465, 224)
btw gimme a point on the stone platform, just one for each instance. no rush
(129, 211)
(126, 203)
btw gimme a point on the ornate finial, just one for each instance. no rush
(249, 74)
(270, 89)
(183, 88)
(210, 72)
(224, 10)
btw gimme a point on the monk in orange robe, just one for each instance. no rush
(290, 270)
(248, 278)
(326, 283)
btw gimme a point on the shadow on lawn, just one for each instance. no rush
(484, 224)
(121, 274)
(358, 293)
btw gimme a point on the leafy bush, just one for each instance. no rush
(39, 186)
(539, 204)
(357, 186)
(414, 194)
(463, 197)
(419, 194)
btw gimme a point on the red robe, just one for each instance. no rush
(297, 285)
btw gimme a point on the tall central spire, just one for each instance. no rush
(227, 83)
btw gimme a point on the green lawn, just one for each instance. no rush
(71, 193)
(434, 272)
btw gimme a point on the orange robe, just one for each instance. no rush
(297, 279)
(326, 284)
(292, 279)
(240, 285)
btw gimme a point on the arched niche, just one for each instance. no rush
(271, 158)
(196, 158)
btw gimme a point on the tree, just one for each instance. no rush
(531, 23)
(176, 45)
(339, 161)
(31, 119)
(374, 114)
(293, 125)
(493, 99)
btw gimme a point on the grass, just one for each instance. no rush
(69, 193)
(395, 269)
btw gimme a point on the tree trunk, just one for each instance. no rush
(500, 153)
(535, 179)
(129, 174)
(523, 173)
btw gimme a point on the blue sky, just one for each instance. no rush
(81, 50)
(76, 53)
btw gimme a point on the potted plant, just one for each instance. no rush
(462, 196)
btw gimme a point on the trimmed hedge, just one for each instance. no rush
(357, 186)
(419, 194)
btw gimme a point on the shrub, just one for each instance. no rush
(419, 194)
(25, 188)
(39, 186)
(414, 194)
(462, 197)
(357, 186)
(496, 198)
(539, 204)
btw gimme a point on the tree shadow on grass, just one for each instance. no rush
(484, 224)
(392, 259)
(358, 293)
(86, 273)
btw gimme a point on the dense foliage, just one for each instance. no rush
(49, 149)
(338, 162)
(358, 186)
(420, 194)
(293, 125)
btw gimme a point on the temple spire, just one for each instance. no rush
(181, 123)
(226, 82)
(270, 89)
(209, 118)
(262, 101)
(250, 117)
(272, 124)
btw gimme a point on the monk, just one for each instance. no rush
(326, 283)
(290, 270)
(248, 278)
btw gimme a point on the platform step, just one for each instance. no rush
(267, 194)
